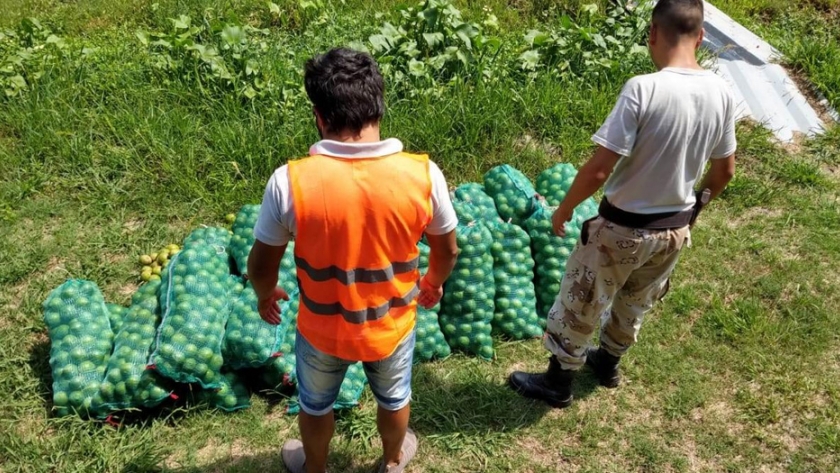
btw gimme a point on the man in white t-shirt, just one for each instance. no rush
(356, 208)
(652, 150)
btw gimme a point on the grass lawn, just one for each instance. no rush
(114, 149)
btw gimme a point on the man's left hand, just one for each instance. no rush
(429, 295)
(268, 308)
(559, 219)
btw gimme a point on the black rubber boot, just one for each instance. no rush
(553, 386)
(605, 367)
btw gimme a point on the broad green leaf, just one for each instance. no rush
(233, 35)
(591, 8)
(143, 36)
(273, 8)
(433, 39)
(599, 41)
(638, 49)
(379, 43)
(530, 59)
(249, 92)
(536, 38)
(18, 81)
(181, 23)
(416, 68)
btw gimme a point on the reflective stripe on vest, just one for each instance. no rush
(358, 222)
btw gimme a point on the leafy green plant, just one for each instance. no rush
(433, 43)
(226, 57)
(592, 48)
(26, 54)
(295, 14)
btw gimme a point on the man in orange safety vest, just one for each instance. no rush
(356, 208)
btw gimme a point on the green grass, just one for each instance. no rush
(737, 370)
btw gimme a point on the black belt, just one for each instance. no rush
(657, 221)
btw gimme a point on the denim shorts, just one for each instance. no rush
(319, 377)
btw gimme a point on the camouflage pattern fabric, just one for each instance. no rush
(615, 275)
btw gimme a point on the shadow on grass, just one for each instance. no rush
(265, 462)
(39, 363)
(475, 402)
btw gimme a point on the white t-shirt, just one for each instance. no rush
(276, 224)
(666, 126)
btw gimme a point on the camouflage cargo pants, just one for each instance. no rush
(615, 276)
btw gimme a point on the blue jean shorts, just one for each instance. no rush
(319, 377)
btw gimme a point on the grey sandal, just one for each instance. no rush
(409, 449)
(293, 456)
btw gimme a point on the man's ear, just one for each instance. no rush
(653, 34)
(700, 39)
(319, 120)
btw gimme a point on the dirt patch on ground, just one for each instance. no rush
(548, 455)
(752, 214)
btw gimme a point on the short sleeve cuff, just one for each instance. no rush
(724, 155)
(447, 227)
(601, 141)
(271, 240)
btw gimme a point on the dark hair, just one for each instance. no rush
(346, 89)
(678, 18)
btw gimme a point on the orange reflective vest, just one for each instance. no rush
(358, 224)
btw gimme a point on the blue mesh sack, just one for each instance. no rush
(467, 307)
(514, 195)
(81, 341)
(128, 383)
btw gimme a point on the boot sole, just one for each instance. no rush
(555, 403)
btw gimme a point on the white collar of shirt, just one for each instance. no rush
(338, 149)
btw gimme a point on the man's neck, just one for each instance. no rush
(681, 57)
(368, 134)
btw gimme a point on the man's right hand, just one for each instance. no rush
(429, 295)
(268, 308)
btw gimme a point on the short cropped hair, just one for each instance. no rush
(679, 18)
(346, 89)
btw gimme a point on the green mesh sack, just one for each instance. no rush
(195, 303)
(128, 383)
(349, 394)
(281, 370)
(467, 308)
(430, 342)
(473, 193)
(242, 239)
(209, 236)
(287, 277)
(515, 300)
(232, 394)
(81, 342)
(251, 342)
(116, 315)
(551, 252)
(554, 182)
(514, 195)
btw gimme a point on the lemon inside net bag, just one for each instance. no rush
(251, 342)
(430, 342)
(195, 303)
(81, 341)
(514, 194)
(551, 252)
(474, 194)
(243, 240)
(515, 302)
(467, 307)
(128, 383)
(554, 182)
(231, 395)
